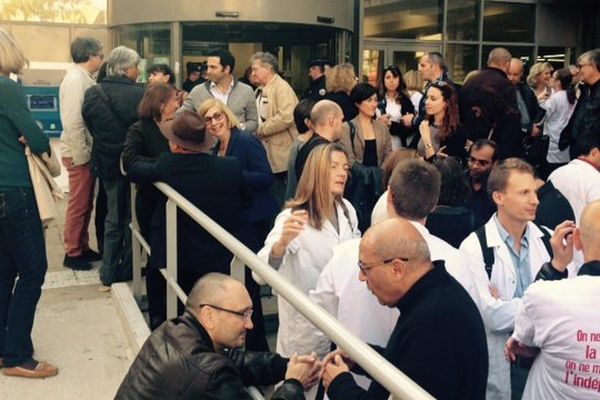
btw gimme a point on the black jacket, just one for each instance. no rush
(108, 122)
(178, 361)
(316, 89)
(305, 151)
(343, 100)
(398, 128)
(213, 184)
(536, 113)
(439, 342)
(144, 142)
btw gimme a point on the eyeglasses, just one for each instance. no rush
(582, 65)
(245, 315)
(365, 268)
(216, 117)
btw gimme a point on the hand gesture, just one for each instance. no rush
(333, 368)
(562, 245)
(514, 348)
(494, 292)
(306, 369)
(292, 227)
(386, 119)
(407, 120)
(425, 131)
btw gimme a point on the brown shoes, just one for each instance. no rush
(41, 370)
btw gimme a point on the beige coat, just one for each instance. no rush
(382, 139)
(43, 169)
(276, 127)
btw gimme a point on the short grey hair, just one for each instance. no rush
(209, 289)
(499, 56)
(591, 57)
(121, 58)
(83, 48)
(266, 59)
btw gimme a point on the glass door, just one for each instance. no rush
(379, 54)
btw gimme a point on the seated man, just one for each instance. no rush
(439, 339)
(561, 320)
(197, 356)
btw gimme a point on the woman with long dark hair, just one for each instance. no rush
(394, 102)
(441, 131)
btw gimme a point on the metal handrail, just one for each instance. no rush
(397, 383)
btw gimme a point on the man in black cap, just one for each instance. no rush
(316, 72)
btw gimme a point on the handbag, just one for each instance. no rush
(43, 169)
(535, 149)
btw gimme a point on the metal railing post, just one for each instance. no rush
(238, 270)
(136, 249)
(171, 223)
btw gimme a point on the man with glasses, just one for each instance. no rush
(199, 355)
(76, 152)
(482, 159)
(586, 117)
(439, 339)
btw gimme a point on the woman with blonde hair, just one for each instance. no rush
(539, 80)
(301, 243)
(222, 123)
(414, 85)
(339, 82)
(23, 262)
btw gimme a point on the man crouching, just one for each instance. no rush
(197, 355)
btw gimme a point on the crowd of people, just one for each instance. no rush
(452, 200)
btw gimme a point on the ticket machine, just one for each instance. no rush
(41, 94)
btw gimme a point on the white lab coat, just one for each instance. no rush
(579, 182)
(499, 314)
(303, 261)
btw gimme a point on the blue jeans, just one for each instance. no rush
(116, 258)
(22, 256)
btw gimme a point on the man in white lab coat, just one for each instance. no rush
(513, 250)
(579, 180)
(559, 321)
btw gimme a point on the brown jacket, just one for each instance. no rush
(382, 139)
(276, 127)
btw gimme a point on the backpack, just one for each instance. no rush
(488, 252)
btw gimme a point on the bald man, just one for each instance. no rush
(198, 356)
(559, 321)
(328, 122)
(439, 339)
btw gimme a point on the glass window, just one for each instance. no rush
(403, 19)
(462, 21)
(64, 11)
(151, 41)
(461, 59)
(508, 22)
(293, 45)
(558, 57)
(372, 66)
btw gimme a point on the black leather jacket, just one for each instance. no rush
(178, 361)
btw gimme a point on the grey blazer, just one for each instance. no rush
(241, 101)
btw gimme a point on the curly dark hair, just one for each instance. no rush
(451, 116)
(455, 190)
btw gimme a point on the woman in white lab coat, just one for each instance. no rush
(302, 240)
